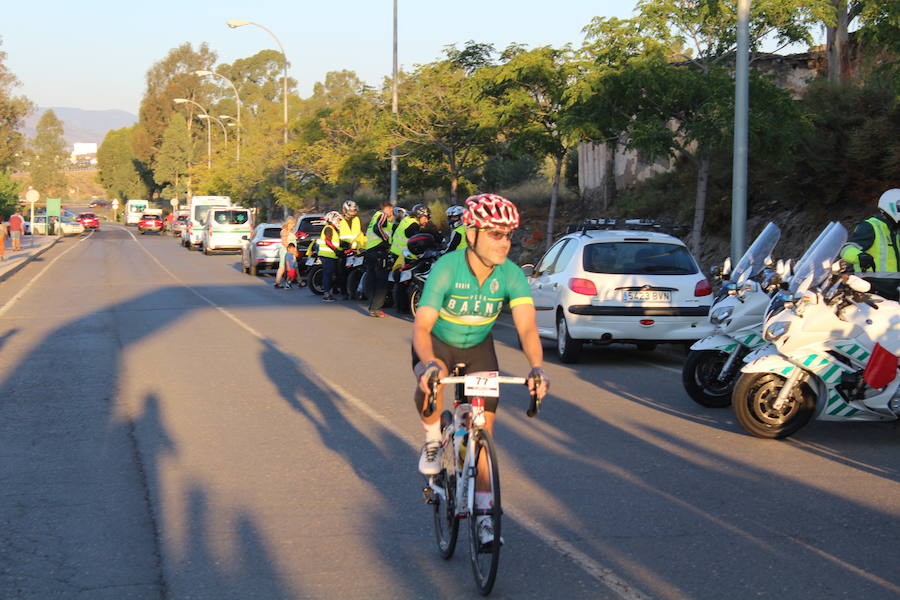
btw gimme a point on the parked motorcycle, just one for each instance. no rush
(737, 314)
(418, 274)
(314, 275)
(833, 352)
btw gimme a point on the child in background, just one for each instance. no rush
(290, 266)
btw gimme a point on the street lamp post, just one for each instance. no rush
(221, 124)
(205, 115)
(394, 109)
(234, 23)
(237, 99)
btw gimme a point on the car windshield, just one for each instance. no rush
(200, 213)
(814, 268)
(272, 233)
(231, 217)
(181, 218)
(753, 261)
(87, 216)
(311, 225)
(638, 258)
(149, 216)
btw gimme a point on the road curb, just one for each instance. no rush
(12, 271)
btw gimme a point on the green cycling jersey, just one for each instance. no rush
(467, 311)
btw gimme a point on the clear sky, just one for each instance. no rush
(93, 54)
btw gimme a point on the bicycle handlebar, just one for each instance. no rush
(534, 406)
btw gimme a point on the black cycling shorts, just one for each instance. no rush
(477, 358)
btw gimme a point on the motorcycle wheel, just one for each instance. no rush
(754, 394)
(414, 294)
(353, 281)
(700, 376)
(315, 280)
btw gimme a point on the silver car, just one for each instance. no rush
(261, 250)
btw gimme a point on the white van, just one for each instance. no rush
(225, 227)
(198, 207)
(133, 211)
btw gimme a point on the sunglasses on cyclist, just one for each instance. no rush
(499, 235)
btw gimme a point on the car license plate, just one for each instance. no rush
(406, 275)
(648, 296)
(310, 261)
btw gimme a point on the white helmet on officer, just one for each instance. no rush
(455, 215)
(889, 204)
(349, 207)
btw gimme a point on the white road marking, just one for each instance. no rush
(9, 304)
(602, 574)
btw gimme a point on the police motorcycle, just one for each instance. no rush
(714, 362)
(409, 280)
(832, 352)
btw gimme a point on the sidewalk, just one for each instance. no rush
(32, 247)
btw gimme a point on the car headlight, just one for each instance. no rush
(721, 314)
(776, 331)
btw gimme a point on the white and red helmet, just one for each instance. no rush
(490, 211)
(333, 218)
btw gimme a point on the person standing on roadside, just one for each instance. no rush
(287, 237)
(16, 228)
(378, 240)
(3, 235)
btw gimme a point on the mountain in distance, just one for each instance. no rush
(82, 125)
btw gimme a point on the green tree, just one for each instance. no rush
(119, 170)
(9, 194)
(444, 127)
(170, 78)
(13, 110)
(173, 161)
(48, 156)
(687, 109)
(532, 100)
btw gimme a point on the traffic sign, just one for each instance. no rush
(174, 203)
(32, 196)
(115, 203)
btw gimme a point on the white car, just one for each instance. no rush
(66, 225)
(605, 285)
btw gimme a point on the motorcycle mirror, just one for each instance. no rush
(779, 268)
(769, 261)
(726, 267)
(528, 270)
(716, 272)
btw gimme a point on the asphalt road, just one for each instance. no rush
(172, 428)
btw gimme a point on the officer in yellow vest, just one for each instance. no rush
(418, 217)
(378, 241)
(410, 225)
(352, 238)
(329, 250)
(875, 244)
(457, 229)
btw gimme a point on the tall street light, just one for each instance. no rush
(394, 108)
(234, 23)
(221, 124)
(238, 100)
(205, 115)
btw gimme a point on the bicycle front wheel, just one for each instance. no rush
(446, 523)
(485, 555)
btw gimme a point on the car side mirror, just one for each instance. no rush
(528, 270)
(244, 237)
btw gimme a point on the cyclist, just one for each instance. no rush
(457, 229)
(461, 300)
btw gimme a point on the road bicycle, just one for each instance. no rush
(467, 448)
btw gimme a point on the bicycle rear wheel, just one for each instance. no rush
(485, 557)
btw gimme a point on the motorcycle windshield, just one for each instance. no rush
(815, 267)
(753, 261)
